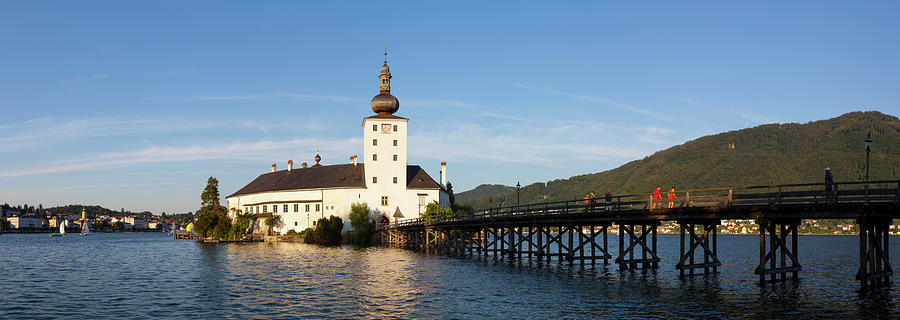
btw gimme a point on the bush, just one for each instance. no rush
(363, 227)
(327, 232)
(240, 224)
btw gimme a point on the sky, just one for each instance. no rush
(133, 105)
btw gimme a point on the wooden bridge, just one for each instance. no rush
(577, 229)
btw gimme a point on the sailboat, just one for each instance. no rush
(85, 228)
(62, 229)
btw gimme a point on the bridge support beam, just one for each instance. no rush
(697, 240)
(587, 244)
(874, 253)
(769, 263)
(626, 259)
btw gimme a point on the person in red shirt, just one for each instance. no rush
(655, 197)
(672, 197)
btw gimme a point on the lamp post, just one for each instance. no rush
(868, 149)
(518, 186)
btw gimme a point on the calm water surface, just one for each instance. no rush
(152, 276)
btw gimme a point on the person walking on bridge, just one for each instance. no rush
(654, 198)
(829, 186)
(672, 197)
(608, 200)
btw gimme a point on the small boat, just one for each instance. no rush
(85, 228)
(62, 230)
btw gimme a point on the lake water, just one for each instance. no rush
(152, 276)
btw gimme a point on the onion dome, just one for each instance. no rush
(384, 102)
(317, 158)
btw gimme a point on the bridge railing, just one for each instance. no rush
(885, 191)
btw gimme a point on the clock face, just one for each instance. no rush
(385, 128)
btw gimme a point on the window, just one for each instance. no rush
(318, 207)
(265, 209)
(374, 157)
(314, 223)
(285, 208)
(296, 207)
(274, 208)
(422, 199)
(395, 128)
(374, 127)
(295, 223)
(395, 157)
(374, 142)
(395, 142)
(374, 179)
(307, 208)
(395, 179)
(384, 201)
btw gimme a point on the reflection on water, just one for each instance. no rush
(150, 275)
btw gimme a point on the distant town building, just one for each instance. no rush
(24, 222)
(385, 182)
(136, 223)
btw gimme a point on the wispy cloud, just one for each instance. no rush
(89, 78)
(273, 96)
(246, 151)
(106, 76)
(547, 146)
(750, 118)
(48, 131)
(596, 99)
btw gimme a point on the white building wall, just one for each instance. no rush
(385, 169)
(24, 222)
(330, 202)
(334, 202)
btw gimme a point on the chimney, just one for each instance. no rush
(353, 160)
(273, 167)
(443, 174)
(290, 165)
(303, 165)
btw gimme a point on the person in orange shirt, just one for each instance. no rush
(655, 197)
(672, 197)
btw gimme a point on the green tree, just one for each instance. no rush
(361, 221)
(240, 224)
(118, 226)
(450, 192)
(212, 220)
(434, 210)
(273, 221)
(327, 232)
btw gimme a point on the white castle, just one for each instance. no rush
(385, 181)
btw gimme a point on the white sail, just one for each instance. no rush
(62, 227)
(85, 228)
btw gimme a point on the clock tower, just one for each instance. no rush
(384, 148)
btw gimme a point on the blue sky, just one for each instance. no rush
(133, 105)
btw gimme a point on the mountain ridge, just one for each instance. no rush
(762, 155)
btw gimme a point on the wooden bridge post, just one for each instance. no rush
(571, 249)
(778, 246)
(511, 252)
(531, 248)
(694, 241)
(539, 255)
(649, 259)
(874, 254)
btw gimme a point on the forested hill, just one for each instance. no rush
(484, 191)
(763, 155)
